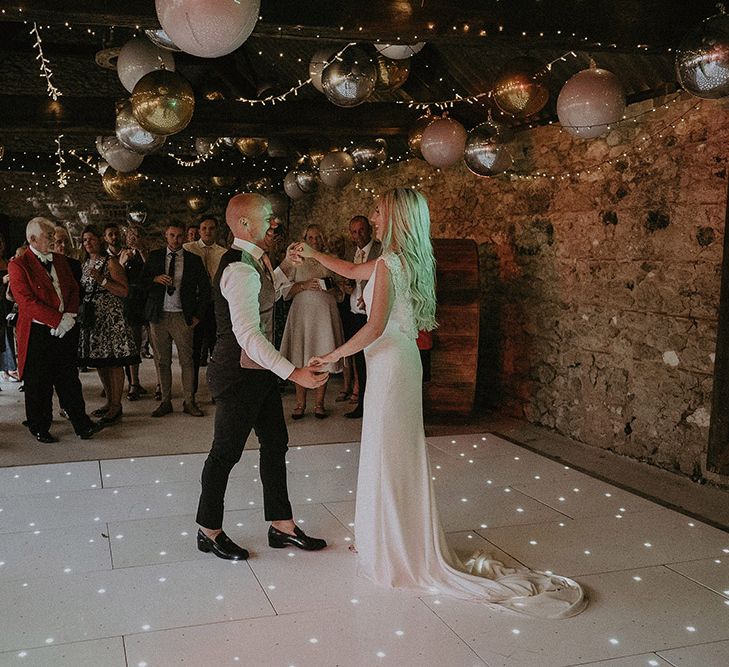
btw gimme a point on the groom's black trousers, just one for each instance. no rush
(253, 402)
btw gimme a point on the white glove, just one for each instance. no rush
(65, 325)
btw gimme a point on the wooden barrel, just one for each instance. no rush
(454, 358)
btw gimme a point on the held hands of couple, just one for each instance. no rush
(309, 377)
(64, 326)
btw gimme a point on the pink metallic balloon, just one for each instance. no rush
(443, 142)
(208, 28)
(590, 101)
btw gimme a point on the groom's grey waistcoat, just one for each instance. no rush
(224, 368)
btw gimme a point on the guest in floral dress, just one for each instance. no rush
(106, 343)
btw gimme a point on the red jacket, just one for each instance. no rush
(36, 297)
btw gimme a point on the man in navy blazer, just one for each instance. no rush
(178, 296)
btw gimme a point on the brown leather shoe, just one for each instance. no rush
(192, 409)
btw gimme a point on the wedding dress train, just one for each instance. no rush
(399, 538)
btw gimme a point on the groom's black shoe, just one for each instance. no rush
(279, 540)
(222, 546)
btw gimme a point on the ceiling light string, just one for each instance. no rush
(294, 90)
(61, 175)
(45, 70)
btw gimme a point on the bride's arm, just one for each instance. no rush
(339, 266)
(382, 298)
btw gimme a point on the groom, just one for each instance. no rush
(242, 378)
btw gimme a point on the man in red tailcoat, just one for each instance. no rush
(47, 295)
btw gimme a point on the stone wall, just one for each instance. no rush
(599, 293)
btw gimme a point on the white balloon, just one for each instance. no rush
(208, 28)
(399, 51)
(139, 57)
(120, 158)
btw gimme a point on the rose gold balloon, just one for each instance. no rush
(416, 133)
(521, 88)
(121, 186)
(251, 146)
(443, 142)
(589, 102)
(208, 28)
(163, 102)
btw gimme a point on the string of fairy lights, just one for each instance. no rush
(62, 175)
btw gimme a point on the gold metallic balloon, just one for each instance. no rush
(415, 135)
(251, 146)
(224, 181)
(391, 74)
(163, 102)
(197, 201)
(121, 185)
(521, 89)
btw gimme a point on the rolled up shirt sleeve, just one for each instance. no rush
(240, 285)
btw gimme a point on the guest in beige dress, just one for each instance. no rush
(313, 324)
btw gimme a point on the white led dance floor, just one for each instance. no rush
(99, 568)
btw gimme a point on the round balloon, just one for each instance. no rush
(279, 204)
(162, 39)
(316, 66)
(251, 146)
(137, 213)
(306, 179)
(163, 102)
(208, 28)
(336, 169)
(589, 102)
(399, 51)
(521, 88)
(139, 57)
(443, 142)
(224, 181)
(415, 135)
(120, 158)
(291, 187)
(351, 80)
(102, 143)
(121, 186)
(197, 201)
(131, 134)
(702, 59)
(391, 74)
(369, 155)
(486, 153)
(228, 141)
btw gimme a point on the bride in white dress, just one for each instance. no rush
(399, 538)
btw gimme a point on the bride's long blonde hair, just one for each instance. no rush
(408, 233)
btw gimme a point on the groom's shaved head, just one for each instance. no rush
(243, 205)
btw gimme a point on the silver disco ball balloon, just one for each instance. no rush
(350, 80)
(132, 135)
(291, 186)
(204, 146)
(486, 153)
(702, 59)
(369, 155)
(162, 39)
(336, 169)
(307, 179)
(137, 213)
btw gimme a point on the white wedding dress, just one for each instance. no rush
(399, 538)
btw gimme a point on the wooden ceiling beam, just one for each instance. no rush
(38, 116)
(657, 23)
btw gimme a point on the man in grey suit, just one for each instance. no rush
(366, 248)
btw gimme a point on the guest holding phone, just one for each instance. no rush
(313, 323)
